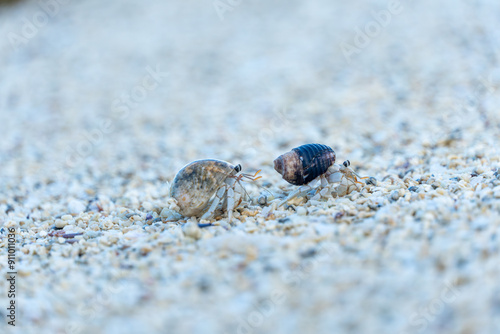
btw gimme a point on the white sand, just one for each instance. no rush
(415, 107)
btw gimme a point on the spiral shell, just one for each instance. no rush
(304, 163)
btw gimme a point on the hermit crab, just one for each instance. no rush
(200, 186)
(305, 165)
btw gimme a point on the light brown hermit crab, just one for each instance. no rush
(201, 185)
(305, 165)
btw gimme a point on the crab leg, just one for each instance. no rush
(230, 203)
(230, 196)
(301, 190)
(218, 197)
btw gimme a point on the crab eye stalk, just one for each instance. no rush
(237, 168)
(347, 163)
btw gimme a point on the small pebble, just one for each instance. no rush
(61, 223)
(76, 206)
(262, 200)
(395, 195)
(147, 206)
(170, 214)
(301, 211)
(192, 230)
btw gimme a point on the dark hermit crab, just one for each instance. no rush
(305, 165)
(201, 185)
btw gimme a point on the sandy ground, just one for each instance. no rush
(102, 102)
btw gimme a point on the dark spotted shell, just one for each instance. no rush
(304, 163)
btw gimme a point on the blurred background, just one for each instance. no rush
(93, 93)
(240, 81)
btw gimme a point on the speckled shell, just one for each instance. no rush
(195, 184)
(304, 163)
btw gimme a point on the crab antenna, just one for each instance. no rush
(261, 187)
(353, 183)
(357, 175)
(254, 176)
(246, 193)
